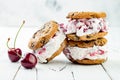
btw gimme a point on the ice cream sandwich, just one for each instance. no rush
(85, 26)
(87, 52)
(48, 42)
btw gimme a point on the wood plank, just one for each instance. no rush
(112, 66)
(54, 75)
(87, 72)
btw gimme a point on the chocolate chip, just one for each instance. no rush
(95, 43)
(86, 59)
(55, 22)
(76, 45)
(42, 41)
(88, 36)
(93, 16)
(75, 62)
(86, 41)
(32, 45)
(46, 62)
(35, 34)
(72, 14)
(77, 38)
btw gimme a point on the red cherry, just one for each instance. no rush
(29, 61)
(14, 54)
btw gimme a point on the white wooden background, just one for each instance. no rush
(59, 68)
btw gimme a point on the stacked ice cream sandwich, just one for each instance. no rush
(85, 33)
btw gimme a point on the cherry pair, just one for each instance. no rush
(15, 54)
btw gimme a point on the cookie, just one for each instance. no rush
(79, 15)
(88, 61)
(86, 37)
(43, 35)
(87, 44)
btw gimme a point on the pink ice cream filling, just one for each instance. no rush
(85, 26)
(85, 53)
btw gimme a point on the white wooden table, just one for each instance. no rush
(59, 68)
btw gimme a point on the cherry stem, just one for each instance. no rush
(19, 55)
(18, 32)
(7, 43)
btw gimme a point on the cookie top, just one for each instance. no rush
(43, 35)
(87, 44)
(78, 15)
